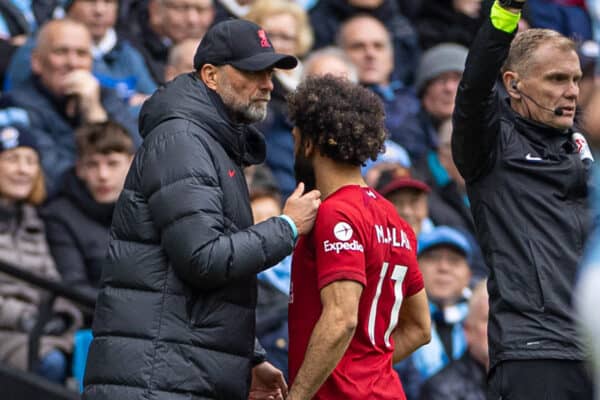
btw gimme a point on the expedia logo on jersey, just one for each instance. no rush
(343, 232)
(339, 246)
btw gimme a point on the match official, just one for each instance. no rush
(526, 172)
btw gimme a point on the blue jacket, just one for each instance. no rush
(428, 360)
(54, 131)
(122, 64)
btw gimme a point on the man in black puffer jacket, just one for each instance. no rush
(175, 317)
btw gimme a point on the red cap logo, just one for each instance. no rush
(262, 35)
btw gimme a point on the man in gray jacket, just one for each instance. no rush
(175, 317)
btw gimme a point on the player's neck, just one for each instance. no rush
(331, 175)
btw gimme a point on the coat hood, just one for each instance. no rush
(75, 189)
(187, 97)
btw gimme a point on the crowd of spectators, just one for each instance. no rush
(74, 74)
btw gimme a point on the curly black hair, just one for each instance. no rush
(345, 121)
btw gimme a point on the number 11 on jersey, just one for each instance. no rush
(397, 276)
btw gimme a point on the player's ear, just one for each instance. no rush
(309, 147)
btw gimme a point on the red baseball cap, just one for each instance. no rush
(402, 183)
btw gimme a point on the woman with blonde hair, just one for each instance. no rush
(288, 28)
(23, 244)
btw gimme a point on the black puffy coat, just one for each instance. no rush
(175, 317)
(528, 189)
(78, 229)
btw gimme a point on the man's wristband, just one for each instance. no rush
(292, 225)
(504, 20)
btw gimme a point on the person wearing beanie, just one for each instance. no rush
(23, 244)
(436, 83)
(175, 316)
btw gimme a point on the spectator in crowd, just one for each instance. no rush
(184, 252)
(588, 53)
(288, 28)
(227, 9)
(527, 184)
(160, 24)
(78, 219)
(444, 260)
(23, 244)
(453, 21)
(593, 7)
(439, 73)
(328, 16)
(181, 59)
(116, 64)
(368, 44)
(410, 8)
(394, 162)
(273, 283)
(7, 49)
(590, 123)
(448, 200)
(63, 95)
(330, 60)
(465, 379)
(19, 19)
(409, 196)
(345, 309)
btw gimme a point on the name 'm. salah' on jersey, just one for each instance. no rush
(357, 236)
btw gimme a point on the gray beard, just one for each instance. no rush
(242, 113)
(247, 114)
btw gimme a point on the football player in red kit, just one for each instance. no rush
(357, 303)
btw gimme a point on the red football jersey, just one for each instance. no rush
(357, 236)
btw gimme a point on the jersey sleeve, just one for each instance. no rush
(339, 246)
(413, 283)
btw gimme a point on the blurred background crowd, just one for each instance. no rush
(74, 75)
